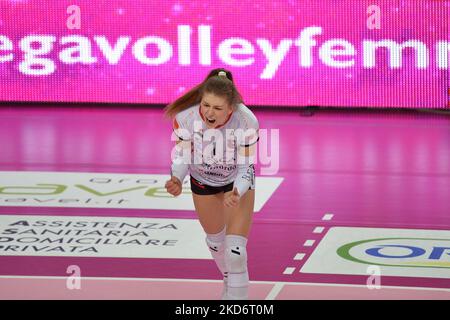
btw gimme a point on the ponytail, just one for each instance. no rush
(187, 100)
(219, 81)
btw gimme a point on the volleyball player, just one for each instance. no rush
(212, 117)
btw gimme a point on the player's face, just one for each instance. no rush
(215, 109)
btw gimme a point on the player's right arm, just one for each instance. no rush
(181, 156)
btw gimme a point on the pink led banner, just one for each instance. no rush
(384, 53)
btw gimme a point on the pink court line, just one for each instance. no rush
(51, 288)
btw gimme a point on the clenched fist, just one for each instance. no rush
(173, 186)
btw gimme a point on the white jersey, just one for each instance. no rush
(213, 160)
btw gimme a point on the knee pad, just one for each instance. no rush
(236, 254)
(216, 245)
(215, 242)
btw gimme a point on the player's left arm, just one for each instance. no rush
(245, 167)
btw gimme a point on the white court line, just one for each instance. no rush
(289, 270)
(299, 256)
(221, 281)
(318, 230)
(275, 291)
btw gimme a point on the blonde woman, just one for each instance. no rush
(213, 117)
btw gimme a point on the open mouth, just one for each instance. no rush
(211, 120)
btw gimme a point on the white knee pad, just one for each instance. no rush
(236, 260)
(216, 245)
